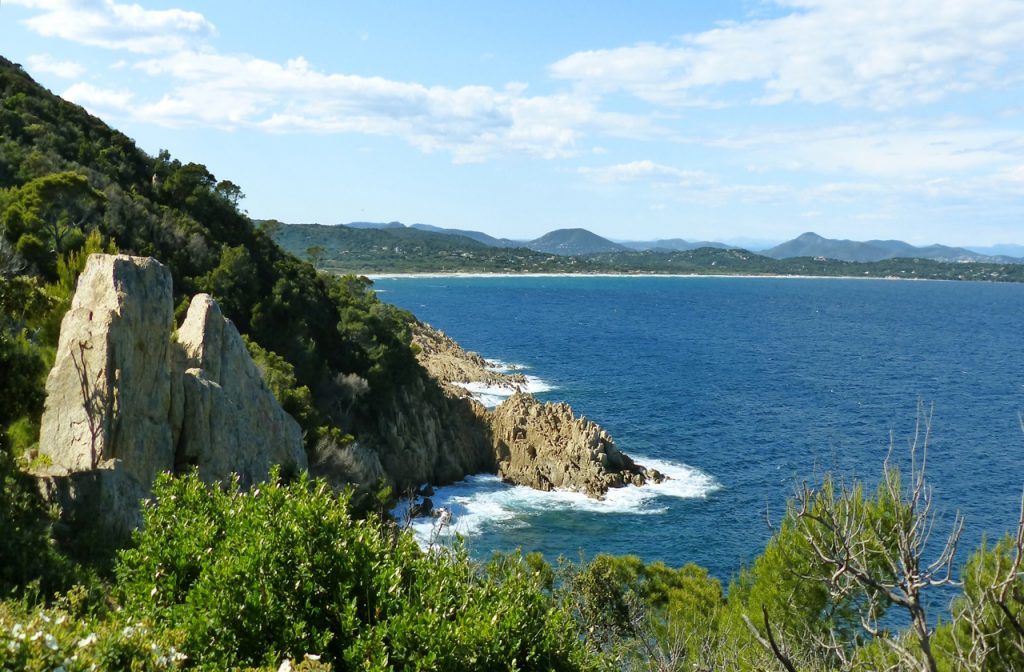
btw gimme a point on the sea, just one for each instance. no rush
(741, 390)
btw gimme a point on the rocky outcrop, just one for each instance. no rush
(545, 446)
(453, 367)
(108, 396)
(530, 443)
(231, 422)
(422, 434)
(126, 400)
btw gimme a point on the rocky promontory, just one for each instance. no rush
(540, 445)
(130, 397)
(453, 367)
(546, 446)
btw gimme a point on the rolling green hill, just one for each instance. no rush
(342, 249)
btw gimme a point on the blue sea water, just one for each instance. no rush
(741, 388)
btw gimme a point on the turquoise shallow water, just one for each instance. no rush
(742, 387)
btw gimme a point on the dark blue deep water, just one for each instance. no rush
(757, 383)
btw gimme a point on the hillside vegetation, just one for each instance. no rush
(294, 575)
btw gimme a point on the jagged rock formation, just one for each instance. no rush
(546, 446)
(542, 446)
(108, 396)
(126, 401)
(231, 422)
(449, 364)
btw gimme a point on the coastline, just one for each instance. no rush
(441, 276)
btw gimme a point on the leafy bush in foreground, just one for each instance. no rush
(250, 578)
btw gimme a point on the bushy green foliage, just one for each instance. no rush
(644, 616)
(46, 217)
(249, 578)
(29, 559)
(23, 368)
(988, 614)
(68, 637)
(280, 377)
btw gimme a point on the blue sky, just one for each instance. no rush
(734, 121)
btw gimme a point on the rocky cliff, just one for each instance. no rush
(546, 446)
(540, 445)
(454, 367)
(127, 399)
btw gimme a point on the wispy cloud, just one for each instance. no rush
(646, 171)
(111, 25)
(473, 123)
(681, 184)
(202, 87)
(872, 53)
(48, 64)
(898, 150)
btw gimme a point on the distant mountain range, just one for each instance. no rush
(478, 236)
(675, 244)
(563, 242)
(581, 242)
(813, 245)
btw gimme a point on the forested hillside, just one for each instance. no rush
(293, 575)
(343, 249)
(338, 359)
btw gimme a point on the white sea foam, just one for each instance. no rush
(492, 395)
(484, 501)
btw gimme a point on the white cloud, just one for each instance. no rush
(680, 184)
(899, 150)
(472, 123)
(645, 171)
(111, 25)
(48, 64)
(96, 98)
(872, 53)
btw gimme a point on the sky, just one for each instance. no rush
(737, 121)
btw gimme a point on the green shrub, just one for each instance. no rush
(58, 638)
(284, 570)
(29, 559)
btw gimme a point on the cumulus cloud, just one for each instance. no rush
(97, 98)
(111, 25)
(62, 69)
(872, 53)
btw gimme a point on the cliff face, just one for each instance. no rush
(125, 400)
(108, 396)
(426, 435)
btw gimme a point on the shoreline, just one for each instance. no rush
(748, 276)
